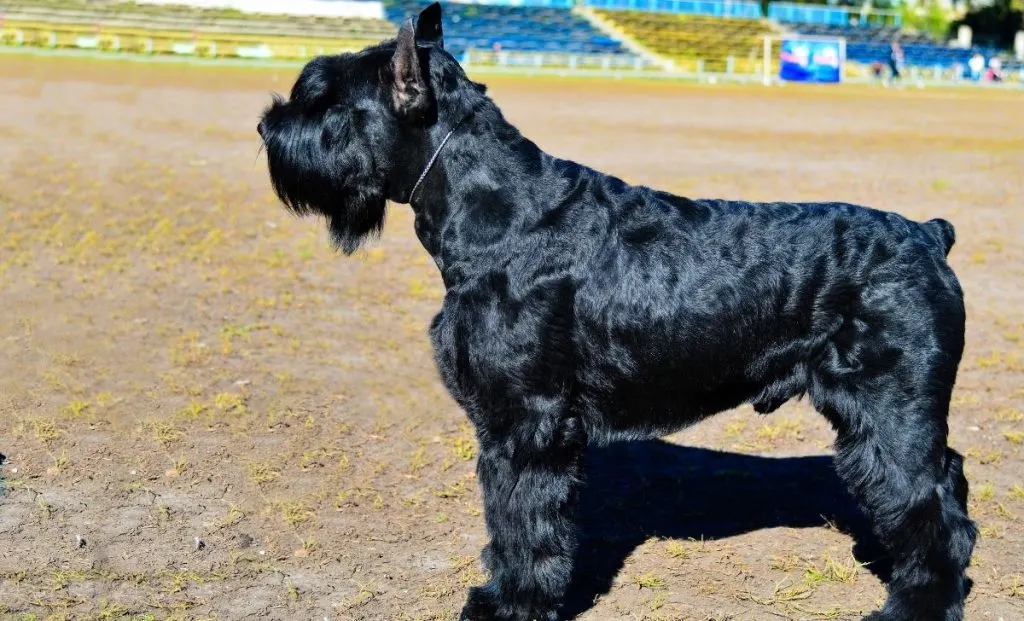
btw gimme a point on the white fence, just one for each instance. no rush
(732, 70)
(548, 60)
(320, 8)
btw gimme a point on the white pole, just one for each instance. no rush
(767, 60)
(842, 60)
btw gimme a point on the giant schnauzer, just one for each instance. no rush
(581, 309)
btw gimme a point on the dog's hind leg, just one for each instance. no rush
(917, 508)
(889, 404)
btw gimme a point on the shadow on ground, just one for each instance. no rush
(649, 489)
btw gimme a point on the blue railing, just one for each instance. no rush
(830, 16)
(738, 8)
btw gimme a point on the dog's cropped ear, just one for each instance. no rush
(428, 26)
(410, 94)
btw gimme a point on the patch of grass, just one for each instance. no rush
(230, 403)
(985, 492)
(463, 448)
(60, 463)
(294, 512)
(782, 430)
(735, 428)
(1015, 586)
(453, 490)
(45, 508)
(657, 602)
(1009, 415)
(1004, 512)
(787, 562)
(1014, 437)
(179, 465)
(418, 461)
(234, 516)
(261, 472)
(165, 433)
(192, 411)
(677, 550)
(111, 610)
(649, 581)
(46, 430)
(76, 409)
(1017, 491)
(835, 571)
(782, 593)
(965, 399)
(62, 578)
(991, 531)
(67, 359)
(314, 458)
(985, 457)
(190, 351)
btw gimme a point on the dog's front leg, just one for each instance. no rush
(530, 478)
(508, 360)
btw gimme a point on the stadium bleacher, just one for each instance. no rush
(869, 44)
(711, 35)
(684, 39)
(865, 34)
(512, 28)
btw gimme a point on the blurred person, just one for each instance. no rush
(976, 65)
(877, 68)
(995, 70)
(895, 61)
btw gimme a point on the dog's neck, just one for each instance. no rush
(484, 158)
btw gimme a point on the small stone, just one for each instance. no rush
(301, 553)
(199, 544)
(80, 541)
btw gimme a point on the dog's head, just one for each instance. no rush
(353, 129)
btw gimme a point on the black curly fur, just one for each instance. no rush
(584, 310)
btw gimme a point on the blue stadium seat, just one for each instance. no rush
(868, 44)
(520, 29)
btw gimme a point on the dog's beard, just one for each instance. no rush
(361, 217)
(312, 175)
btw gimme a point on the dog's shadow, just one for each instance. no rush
(639, 490)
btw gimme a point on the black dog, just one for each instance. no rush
(581, 309)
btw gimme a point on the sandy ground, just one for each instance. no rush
(206, 413)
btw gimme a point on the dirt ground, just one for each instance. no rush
(207, 413)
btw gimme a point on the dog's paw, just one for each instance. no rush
(480, 606)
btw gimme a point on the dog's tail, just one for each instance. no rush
(942, 232)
